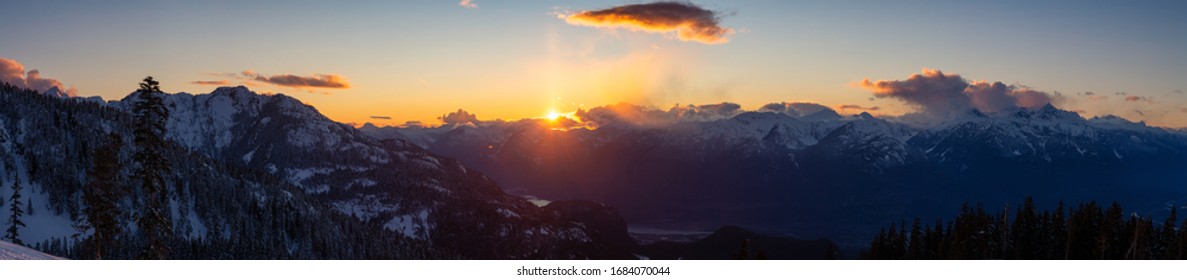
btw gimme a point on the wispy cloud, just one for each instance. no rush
(381, 117)
(314, 81)
(1135, 98)
(688, 21)
(212, 83)
(468, 4)
(860, 108)
(307, 83)
(13, 72)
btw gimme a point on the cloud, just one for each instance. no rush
(1120, 93)
(459, 117)
(1184, 109)
(307, 83)
(635, 115)
(795, 109)
(468, 4)
(13, 72)
(315, 81)
(212, 83)
(689, 21)
(381, 117)
(944, 95)
(622, 113)
(704, 112)
(860, 108)
(1089, 93)
(1178, 91)
(1135, 98)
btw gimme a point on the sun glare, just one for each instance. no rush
(553, 116)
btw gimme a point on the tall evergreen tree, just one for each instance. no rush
(102, 196)
(14, 220)
(154, 221)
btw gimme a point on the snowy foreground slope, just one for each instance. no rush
(9, 251)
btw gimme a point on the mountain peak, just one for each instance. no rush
(232, 90)
(822, 115)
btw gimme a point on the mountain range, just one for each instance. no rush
(824, 174)
(266, 176)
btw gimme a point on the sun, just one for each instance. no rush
(553, 116)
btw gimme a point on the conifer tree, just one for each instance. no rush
(101, 196)
(14, 220)
(154, 220)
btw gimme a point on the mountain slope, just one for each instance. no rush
(9, 251)
(400, 187)
(219, 211)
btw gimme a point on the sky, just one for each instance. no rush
(388, 62)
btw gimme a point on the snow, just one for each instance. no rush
(9, 251)
(413, 226)
(247, 157)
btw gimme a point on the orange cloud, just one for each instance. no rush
(859, 107)
(1135, 98)
(211, 83)
(468, 4)
(13, 73)
(690, 22)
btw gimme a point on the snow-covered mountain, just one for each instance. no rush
(264, 176)
(837, 171)
(400, 186)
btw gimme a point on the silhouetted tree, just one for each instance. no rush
(15, 224)
(101, 196)
(154, 220)
(744, 252)
(1087, 233)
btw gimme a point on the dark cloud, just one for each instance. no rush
(944, 95)
(1178, 91)
(13, 72)
(1135, 98)
(860, 108)
(689, 21)
(1089, 93)
(1120, 93)
(381, 117)
(212, 83)
(459, 117)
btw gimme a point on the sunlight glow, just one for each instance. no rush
(553, 116)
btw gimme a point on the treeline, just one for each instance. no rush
(1086, 232)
